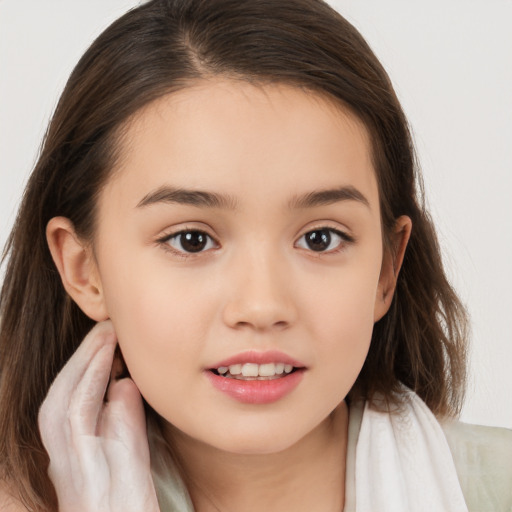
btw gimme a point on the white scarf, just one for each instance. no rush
(404, 463)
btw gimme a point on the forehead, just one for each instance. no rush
(227, 135)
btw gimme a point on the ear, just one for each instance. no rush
(391, 264)
(77, 268)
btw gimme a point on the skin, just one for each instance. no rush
(257, 285)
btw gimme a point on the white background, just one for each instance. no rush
(451, 64)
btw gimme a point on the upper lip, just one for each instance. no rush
(255, 357)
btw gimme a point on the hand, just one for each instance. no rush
(99, 455)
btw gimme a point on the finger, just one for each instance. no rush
(101, 334)
(79, 468)
(126, 446)
(53, 414)
(87, 401)
(123, 415)
(76, 454)
(69, 442)
(68, 378)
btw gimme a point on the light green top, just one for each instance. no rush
(482, 456)
(483, 459)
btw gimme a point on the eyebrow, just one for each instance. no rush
(199, 198)
(327, 197)
(203, 199)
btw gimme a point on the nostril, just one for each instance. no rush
(262, 314)
(262, 326)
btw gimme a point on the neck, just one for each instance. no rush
(309, 475)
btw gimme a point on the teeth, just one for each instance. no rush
(267, 370)
(235, 369)
(250, 370)
(253, 370)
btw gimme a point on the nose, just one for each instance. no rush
(260, 294)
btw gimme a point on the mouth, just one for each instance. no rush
(255, 377)
(254, 371)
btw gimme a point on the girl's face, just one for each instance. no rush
(242, 230)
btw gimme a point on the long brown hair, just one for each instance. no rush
(160, 47)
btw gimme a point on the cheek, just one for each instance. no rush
(345, 299)
(161, 320)
(342, 320)
(154, 333)
(346, 335)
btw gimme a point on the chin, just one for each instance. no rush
(248, 439)
(256, 445)
(253, 437)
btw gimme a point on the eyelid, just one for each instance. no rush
(347, 239)
(343, 231)
(163, 240)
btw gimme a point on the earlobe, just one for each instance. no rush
(391, 264)
(77, 268)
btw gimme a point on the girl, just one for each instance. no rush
(228, 189)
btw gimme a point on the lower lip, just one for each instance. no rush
(256, 391)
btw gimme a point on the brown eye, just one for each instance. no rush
(318, 240)
(322, 240)
(190, 241)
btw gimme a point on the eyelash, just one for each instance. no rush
(345, 240)
(164, 242)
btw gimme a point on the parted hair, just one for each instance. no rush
(155, 49)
